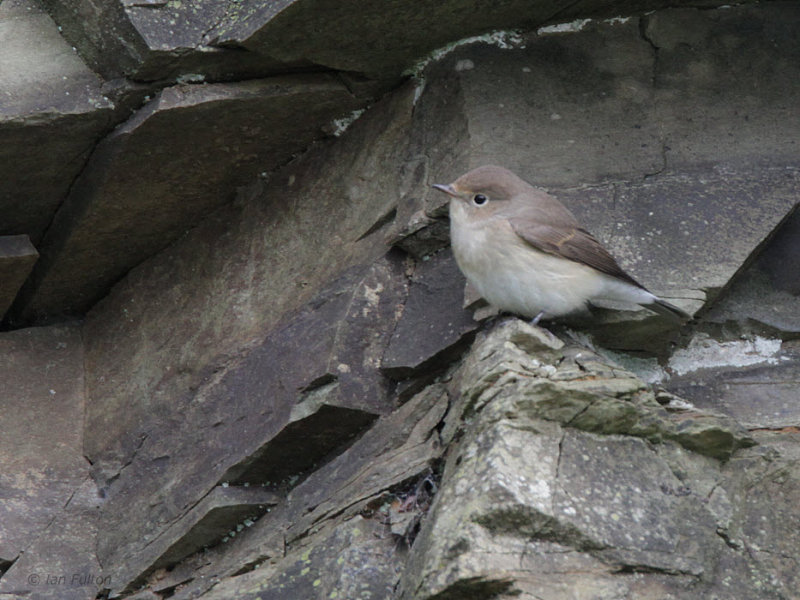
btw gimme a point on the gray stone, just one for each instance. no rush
(727, 83)
(659, 229)
(155, 39)
(629, 517)
(400, 447)
(433, 328)
(172, 163)
(357, 560)
(17, 257)
(52, 111)
(61, 563)
(322, 426)
(767, 292)
(150, 40)
(760, 396)
(46, 525)
(781, 257)
(585, 392)
(769, 526)
(191, 318)
(302, 396)
(222, 511)
(573, 92)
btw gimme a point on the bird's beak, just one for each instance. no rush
(447, 189)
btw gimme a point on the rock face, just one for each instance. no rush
(49, 502)
(276, 384)
(571, 465)
(173, 162)
(51, 100)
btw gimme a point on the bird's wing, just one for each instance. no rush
(572, 243)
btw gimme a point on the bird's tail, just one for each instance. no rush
(663, 307)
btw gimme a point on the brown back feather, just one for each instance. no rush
(572, 243)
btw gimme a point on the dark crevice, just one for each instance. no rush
(731, 543)
(644, 23)
(382, 222)
(476, 588)
(5, 565)
(649, 569)
(249, 566)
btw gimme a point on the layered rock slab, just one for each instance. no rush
(616, 499)
(52, 111)
(157, 39)
(17, 257)
(290, 404)
(278, 372)
(49, 503)
(159, 173)
(150, 40)
(331, 533)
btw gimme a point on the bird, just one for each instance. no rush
(527, 254)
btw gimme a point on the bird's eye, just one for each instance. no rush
(479, 199)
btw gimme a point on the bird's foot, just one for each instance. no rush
(537, 318)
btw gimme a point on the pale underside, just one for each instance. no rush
(513, 276)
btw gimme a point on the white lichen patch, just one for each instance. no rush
(578, 25)
(506, 40)
(191, 78)
(339, 126)
(703, 352)
(571, 27)
(373, 298)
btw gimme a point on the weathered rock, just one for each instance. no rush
(758, 389)
(17, 257)
(357, 560)
(52, 111)
(432, 329)
(61, 563)
(524, 481)
(399, 448)
(231, 280)
(661, 227)
(224, 509)
(769, 522)
(154, 39)
(46, 528)
(178, 158)
(715, 74)
(586, 392)
(300, 396)
(768, 291)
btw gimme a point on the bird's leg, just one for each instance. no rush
(537, 318)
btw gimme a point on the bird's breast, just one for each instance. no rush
(513, 275)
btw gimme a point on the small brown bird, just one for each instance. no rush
(526, 253)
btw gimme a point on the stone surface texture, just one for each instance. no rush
(52, 112)
(238, 358)
(17, 257)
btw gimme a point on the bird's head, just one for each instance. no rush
(484, 186)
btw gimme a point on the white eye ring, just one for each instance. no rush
(479, 199)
